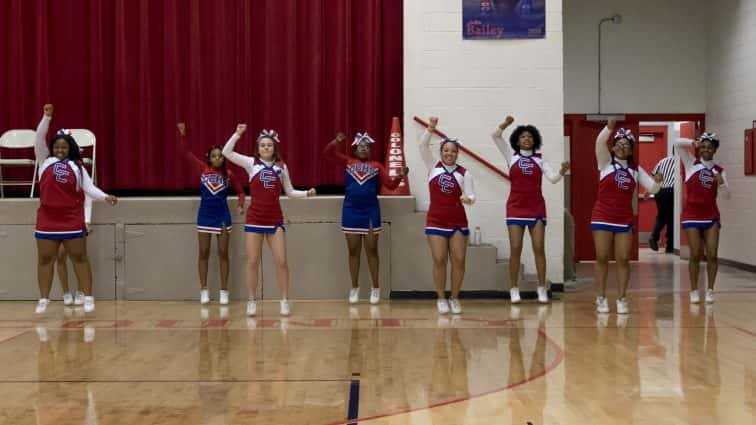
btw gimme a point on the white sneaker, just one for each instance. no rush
(251, 307)
(456, 306)
(285, 309)
(204, 296)
(602, 306)
(223, 297)
(89, 305)
(375, 295)
(514, 295)
(42, 305)
(622, 306)
(442, 305)
(695, 297)
(79, 298)
(709, 296)
(543, 295)
(354, 295)
(67, 298)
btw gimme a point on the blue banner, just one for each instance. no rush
(500, 19)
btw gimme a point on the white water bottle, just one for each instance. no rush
(476, 239)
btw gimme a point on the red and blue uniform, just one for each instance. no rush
(266, 180)
(446, 214)
(63, 186)
(526, 206)
(613, 210)
(700, 208)
(361, 211)
(213, 214)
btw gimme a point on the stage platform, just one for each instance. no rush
(146, 249)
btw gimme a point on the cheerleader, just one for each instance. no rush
(77, 298)
(704, 180)
(267, 175)
(612, 217)
(361, 212)
(63, 183)
(451, 187)
(526, 206)
(213, 216)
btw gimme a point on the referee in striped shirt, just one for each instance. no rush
(665, 203)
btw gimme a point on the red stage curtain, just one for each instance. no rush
(130, 69)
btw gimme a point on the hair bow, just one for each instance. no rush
(362, 137)
(710, 137)
(626, 134)
(64, 132)
(271, 134)
(446, 139)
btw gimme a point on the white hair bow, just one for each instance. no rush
(362, 137)
(271, 134)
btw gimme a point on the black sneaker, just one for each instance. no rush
(654, 245)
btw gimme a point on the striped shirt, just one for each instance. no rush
(666, 167)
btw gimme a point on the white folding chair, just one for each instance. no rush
(18, 139)
(85, 138)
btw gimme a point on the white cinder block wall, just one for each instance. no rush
(471, 86)
(731, 107)
(653, 61)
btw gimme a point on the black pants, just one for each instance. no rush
(665, 206)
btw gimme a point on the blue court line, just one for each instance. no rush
(354, 400)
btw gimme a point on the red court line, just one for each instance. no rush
(15, 336)
(738, 328)
(553, 365)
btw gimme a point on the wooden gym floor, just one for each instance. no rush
(398, 363)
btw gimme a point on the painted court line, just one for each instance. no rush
(559, 356)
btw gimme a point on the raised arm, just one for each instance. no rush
(682, 148)
(197, 164)
(243, 161)
(334, 151)
(41, 152)
(602, 150)
(289, 188)
(425, 152)
(497, 136)
(651, 184)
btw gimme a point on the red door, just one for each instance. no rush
(584, 181)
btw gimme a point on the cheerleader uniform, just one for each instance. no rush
(361, 211)
(63, 188)
(613, 210)
(446, 214)
(266, 180)
(213, 214)
(700, 209)
(525, 205)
